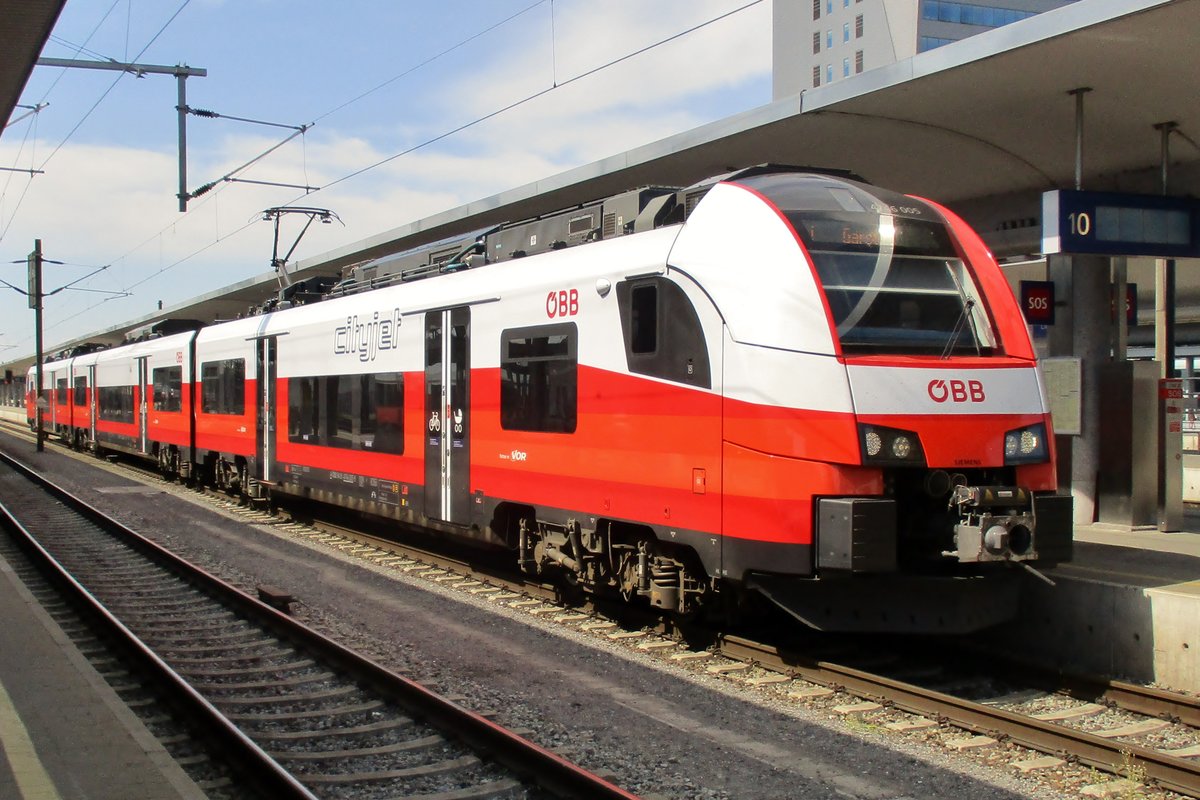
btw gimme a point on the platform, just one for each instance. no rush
(1127, 605)
(64, 733)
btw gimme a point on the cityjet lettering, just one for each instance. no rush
(366, 339)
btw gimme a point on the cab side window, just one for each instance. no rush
(662, 332)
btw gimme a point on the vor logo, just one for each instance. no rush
(956, 391)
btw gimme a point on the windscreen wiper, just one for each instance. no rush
(959, 326)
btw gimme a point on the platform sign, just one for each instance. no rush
(1172, 404)
(1131, 304)
(1113, 224)
(1037, 302)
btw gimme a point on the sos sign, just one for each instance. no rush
(1037, 302)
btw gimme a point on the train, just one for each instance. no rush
(779, 388)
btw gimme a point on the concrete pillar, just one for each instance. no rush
(1083, 328)
(1060, 337)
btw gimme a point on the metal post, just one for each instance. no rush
(36, 299)
(1091, 293)
(1164, 129)
(181, 83)
(1120, 270)
(1079, 93)
(181, 73)
(1164, 317)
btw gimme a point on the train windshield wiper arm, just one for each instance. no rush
(960, 325)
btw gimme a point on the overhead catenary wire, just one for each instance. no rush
(31, 111)
(207, 193)
(30, 138)
(45, 102)
(79, 48)
(430, 60)
(205, 113)
(88, 113)
(426, 143)
(113, 85)
(554, 86)
(229, 175)
(353, 100)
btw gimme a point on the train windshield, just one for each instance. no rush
(894, 283)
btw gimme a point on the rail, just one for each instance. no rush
(556, 775)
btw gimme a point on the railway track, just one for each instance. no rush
(1075, 727)
(1109, 750)
(297, 714)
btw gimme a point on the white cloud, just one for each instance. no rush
(100, 203)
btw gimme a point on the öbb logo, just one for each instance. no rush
(956, 391)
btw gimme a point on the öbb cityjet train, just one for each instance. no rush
(776, 385)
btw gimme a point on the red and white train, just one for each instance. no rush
(776, 384)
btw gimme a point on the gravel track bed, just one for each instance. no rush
(83, 551)
(658, 727)
(204, 768)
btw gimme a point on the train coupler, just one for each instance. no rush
(997, 524)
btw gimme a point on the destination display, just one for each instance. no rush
(1108, 223)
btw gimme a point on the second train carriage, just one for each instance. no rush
(811, 390)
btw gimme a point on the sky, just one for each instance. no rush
(402, 99)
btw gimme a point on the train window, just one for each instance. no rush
(894, 284)
(81, 392)
(61, 393)
(168, 389)
(382, 419)
(643, 319)
(116, 403)
(356, 412)
(539, 378)
(304, 410)
(341, 421)
(223, 387)
(662, 332)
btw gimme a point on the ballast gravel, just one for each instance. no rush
(655, 727)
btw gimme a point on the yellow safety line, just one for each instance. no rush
(32, 781)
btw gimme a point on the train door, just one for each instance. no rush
(143, 380)
(447, 415)
(93, 401)
(61, 415)
(265, 351)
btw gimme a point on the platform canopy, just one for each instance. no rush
(27, 26)
(989, 117)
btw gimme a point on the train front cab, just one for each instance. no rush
(886, 433)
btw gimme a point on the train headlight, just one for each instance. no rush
(1026, 445)
(890, 446)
